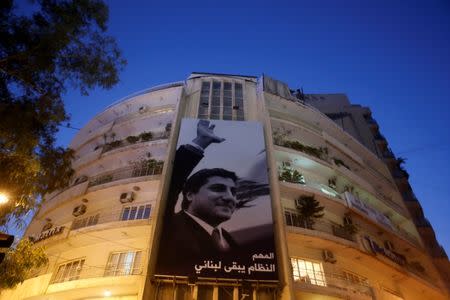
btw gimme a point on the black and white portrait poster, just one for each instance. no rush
(218, 220)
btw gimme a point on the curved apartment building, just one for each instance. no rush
(102, 233)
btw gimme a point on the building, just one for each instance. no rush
(102, 232)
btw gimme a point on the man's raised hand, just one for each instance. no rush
(205, 134)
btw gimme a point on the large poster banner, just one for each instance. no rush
(218, 219)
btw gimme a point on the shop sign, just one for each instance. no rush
(358, 205)
(377, 249)
(48, 233)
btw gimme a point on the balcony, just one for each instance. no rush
(132, 140)
(388, 154)
(294, 219)
(336, 285)
(422, 222)
(371, 121)
(380, 138)
(128, 172)
(136, 212)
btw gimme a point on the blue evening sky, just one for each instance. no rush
(392, 56)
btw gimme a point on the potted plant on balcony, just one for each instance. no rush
(309, 210)
(332, 182)
(349, 227)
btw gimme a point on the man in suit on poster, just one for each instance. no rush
(194, 234)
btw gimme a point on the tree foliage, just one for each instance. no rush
(309, 209)
(62, 44)
(19, 262)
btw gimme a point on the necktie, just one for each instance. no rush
(220, 243)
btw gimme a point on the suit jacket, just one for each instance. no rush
(184, 243)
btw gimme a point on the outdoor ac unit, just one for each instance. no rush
(388, 245)
(79, 210)
(328, 256)
(126, 197)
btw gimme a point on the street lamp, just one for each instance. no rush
(3, 198)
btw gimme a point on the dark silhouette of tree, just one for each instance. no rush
(309, 210)
(62, 45)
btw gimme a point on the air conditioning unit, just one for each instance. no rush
(126, 197)
(388, 245)
(79, 210)
(328, 256)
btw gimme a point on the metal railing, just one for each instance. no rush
(87, 272)
(294, 219)
(128, 172)
(112, 215)
(162, 135)
(339, 283)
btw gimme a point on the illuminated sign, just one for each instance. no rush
(48, 233)
(218, 218)
(394, 256)
(361, 207)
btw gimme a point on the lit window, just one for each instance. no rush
(217, 101)
(124, 263)
(69, 271)
(136, 212)
(308, 271)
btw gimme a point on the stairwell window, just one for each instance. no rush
(308, 271)
(69, 271)
(221, 101)
(124, 263)
(136, 212)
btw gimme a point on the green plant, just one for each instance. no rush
(309, 210)
(332, 182)
(320, 153)
(279, 135)
(19, 262)
(339, 162)
(132, 139)
(289, 175)
(146, 136)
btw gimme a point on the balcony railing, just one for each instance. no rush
(162, 135)
(138, 211)
(128, 172)
(87, 272)
(294, 219)
(388, 153)
(379, 137)
(338, 284)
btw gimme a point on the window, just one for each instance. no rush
(135, 212)
(69, 271)
(85, 222)
(217, 101)
(308, 271)
(294, 219)
(124, 263)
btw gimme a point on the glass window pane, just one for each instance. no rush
(132, 213)
(215, 100)
(140, 212)
(147, 211)
(125, 213)
(137, 263)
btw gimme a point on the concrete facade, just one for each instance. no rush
(101, 232)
